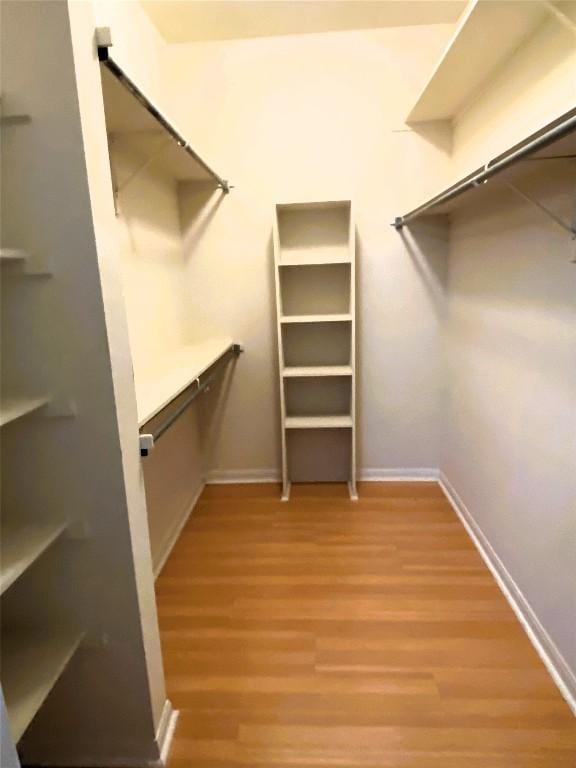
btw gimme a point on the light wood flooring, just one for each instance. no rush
(323, 632)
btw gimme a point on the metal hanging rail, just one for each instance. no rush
(105, 59)
(148, 439)
(549, 135)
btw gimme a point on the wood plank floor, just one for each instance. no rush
(324, 632)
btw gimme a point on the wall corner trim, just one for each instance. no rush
(545, 647)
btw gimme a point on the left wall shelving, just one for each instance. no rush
(33, 652)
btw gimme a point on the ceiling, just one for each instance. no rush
(180, 21)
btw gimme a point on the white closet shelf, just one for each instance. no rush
(488, 33)
(22, 545)
(177, 372)
(332, 318)
(12, 255)
(318, 422)
(293, 371)
(14, 408)
(32, 662)
(305, 258)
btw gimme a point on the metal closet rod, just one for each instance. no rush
(542, 140)
(234, 349)
(105, 58)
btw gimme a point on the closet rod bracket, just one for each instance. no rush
(146, 444)
(571, 228)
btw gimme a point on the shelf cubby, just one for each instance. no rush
(317, 344)
(32, 662)
(314, 233)
(314, 252)
(319, 454)
(22, 545)
(318, 396)
(315, 289)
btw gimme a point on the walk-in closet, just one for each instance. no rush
(288, 383)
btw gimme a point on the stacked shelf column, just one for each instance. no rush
(314, 253)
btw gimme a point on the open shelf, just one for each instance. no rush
(321, 288)
(314, 233)
(177, 372)
(129, 110)
(488, 33)
(318, 396)
(332, 318)
(318, 422)
(15, 408)
(316, 370)
(21, 546)
(32, 662)
(12, 256)
(315, 275)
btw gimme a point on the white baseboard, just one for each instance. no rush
(243, 476)
(174, 533)
(555, 663)
(406, 474)
(165, 733)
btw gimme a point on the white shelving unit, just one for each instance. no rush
(22, 545)
(488, 33)
(32, 662)
(315, 261)
(178, 371)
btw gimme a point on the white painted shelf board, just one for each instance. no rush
(309, 257)
(21, 546)
(32, 662)
(176, 372)
(11, 255)
(318, 422)
(316, 370)
(14, 408)
(338, 318)
(488, 33)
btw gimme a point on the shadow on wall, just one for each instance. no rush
(199, 201)
(426, 242)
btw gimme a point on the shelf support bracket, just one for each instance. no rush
(142, 167)
(571, 228)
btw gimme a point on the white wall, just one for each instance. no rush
(510, 441)
(297, 118)
(510, 423)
